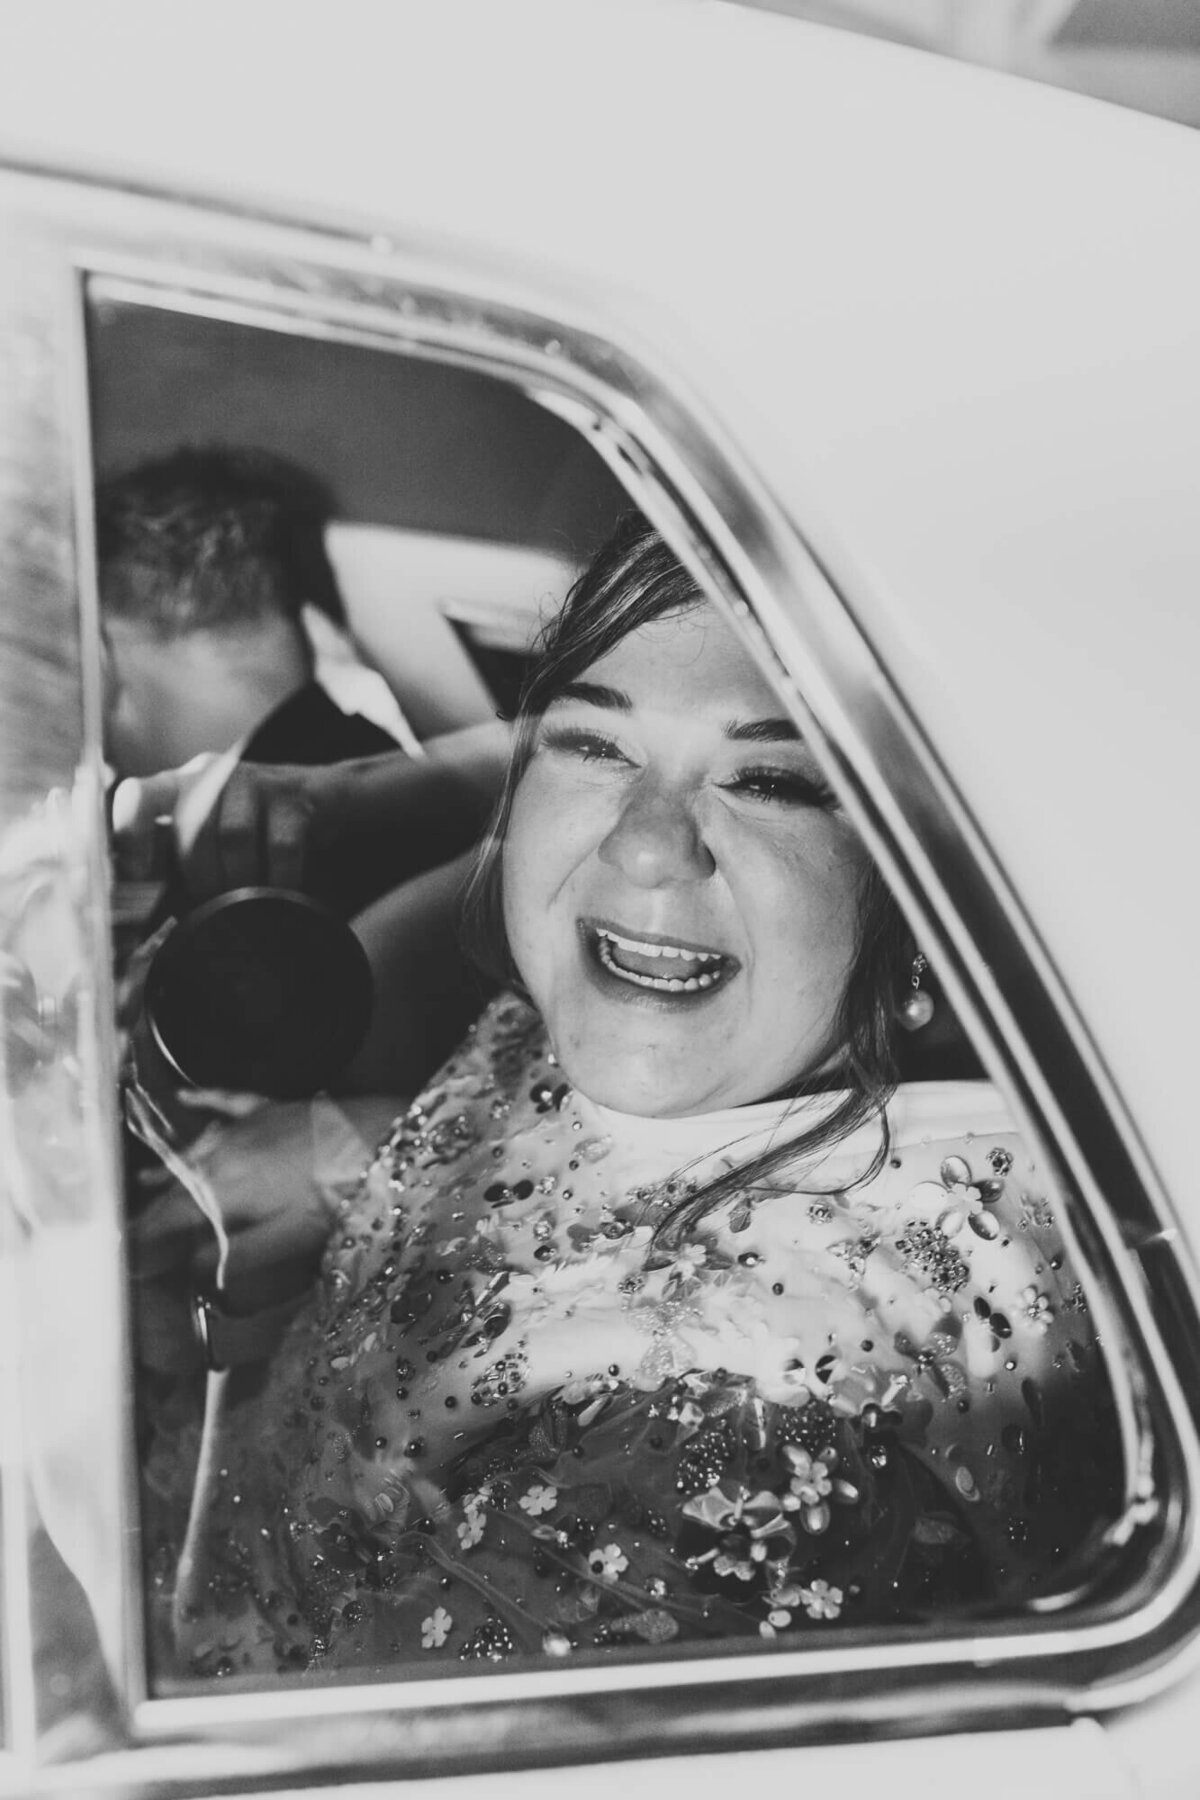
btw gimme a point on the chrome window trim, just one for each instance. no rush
(690, 479)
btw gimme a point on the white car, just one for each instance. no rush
(904, 359)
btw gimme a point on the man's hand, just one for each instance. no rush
(346, 832)
(255, 831)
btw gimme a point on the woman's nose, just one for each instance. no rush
(657, 839)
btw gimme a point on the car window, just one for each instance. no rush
(941, 1441)
(578, 1419)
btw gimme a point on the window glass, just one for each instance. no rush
(662, 1274)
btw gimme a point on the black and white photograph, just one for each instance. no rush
(599, 747)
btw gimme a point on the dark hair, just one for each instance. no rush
(213, 538)
(634, 579)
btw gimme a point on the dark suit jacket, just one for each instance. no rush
(309, 728)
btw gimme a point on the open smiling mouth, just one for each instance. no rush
(659, 965)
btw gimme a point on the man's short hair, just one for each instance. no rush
(213, 539)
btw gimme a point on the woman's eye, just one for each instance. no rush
(786, 787)
(588, 746)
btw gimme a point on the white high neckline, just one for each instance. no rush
(699, 1144)
(737, 1134)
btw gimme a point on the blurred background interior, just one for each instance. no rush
(461, 509)
(1138, 53)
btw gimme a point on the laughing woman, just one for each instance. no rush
(661, 1313)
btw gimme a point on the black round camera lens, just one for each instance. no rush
(261, 991)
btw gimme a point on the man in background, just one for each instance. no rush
(207, 559)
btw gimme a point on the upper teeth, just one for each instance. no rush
(644, 949)
(670, 984)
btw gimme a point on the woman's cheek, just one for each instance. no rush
(519, 899)
(796, 887)
(558, 817)
(536, 861)
(529, 845)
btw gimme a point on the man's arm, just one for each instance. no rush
(426, 991)
(392, 816)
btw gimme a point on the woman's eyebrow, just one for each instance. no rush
(762, 731)
(592, 694)
(748, 731)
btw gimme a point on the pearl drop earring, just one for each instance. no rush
(917, 1008)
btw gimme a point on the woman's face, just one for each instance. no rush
(680, 887)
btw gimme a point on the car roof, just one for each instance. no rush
(948, 317)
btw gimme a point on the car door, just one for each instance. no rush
(825, 617)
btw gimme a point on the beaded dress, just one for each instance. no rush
(522, 1418)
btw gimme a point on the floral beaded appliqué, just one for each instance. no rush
(927, 1249)
(514, 1436)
